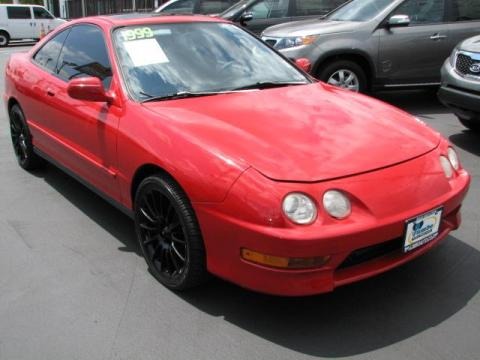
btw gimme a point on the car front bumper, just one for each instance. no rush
(460, 94)
(367, 243)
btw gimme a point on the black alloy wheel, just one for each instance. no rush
(168, 233)
(22, 140)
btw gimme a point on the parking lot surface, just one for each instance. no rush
(74, 286)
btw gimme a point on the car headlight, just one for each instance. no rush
(453, 158)
(295, 41)
(446, 166)
(337, 204)
(453, 57)
(299, 208)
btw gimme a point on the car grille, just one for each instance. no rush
(464, 64)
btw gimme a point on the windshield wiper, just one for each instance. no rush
(179, 95)
(270, 84)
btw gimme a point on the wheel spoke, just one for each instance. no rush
(147, 227)
(151, 239)
(174, 261)
(177, 239)
(151, 209)
(177, 252)
(148, 217)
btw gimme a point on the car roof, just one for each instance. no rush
(145, 18)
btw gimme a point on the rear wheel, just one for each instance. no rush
(22, 140)
(471, 124)
(4, 38)
(169, 234)
(345, 74)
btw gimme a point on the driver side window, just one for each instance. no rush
(84, 53)
(268, 9)
(423, 11)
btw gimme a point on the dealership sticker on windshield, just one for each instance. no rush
(422, 229)
(145, 52)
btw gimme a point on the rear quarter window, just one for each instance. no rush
(18, 12)
(47, 56)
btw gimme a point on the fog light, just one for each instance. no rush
(283, 262)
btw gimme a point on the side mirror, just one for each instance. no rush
(304, 64)
(246, 17)
(88, 89)
(398, 21)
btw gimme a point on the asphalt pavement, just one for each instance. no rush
(74, 286)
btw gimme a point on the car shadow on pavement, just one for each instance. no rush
(467, 140)
(358, 318)
(419, 101)
(97, 209)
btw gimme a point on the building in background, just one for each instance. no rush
(71, 9)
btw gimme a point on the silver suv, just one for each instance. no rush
(371, 44)
(460, 89)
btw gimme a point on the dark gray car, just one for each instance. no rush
(256, 15)
(460, 89)
(369, 44)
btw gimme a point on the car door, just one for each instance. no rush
(42, 20)
(82, 134)
(464, 20)
(20, 23)
(414, 54)
(267, 13)
(212, 6)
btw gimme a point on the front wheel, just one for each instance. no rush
(471, 124)
(169, 234)
(345, 74)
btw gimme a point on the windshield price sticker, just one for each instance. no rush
(137, 34)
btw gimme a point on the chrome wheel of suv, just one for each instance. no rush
(346, 79)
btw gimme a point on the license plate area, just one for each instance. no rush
(422, 229)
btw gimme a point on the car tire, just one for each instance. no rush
(4, 39)
(22, 140)
(471, 124)
(332, 74)
(168, 233)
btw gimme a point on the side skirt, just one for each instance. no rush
(107, 198)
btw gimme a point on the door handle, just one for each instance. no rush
(438, 37)
(50, 93)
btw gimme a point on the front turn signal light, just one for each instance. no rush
(283, 262)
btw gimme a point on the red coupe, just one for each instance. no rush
(231, 160)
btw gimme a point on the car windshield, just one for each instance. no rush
(233, 10)
(198, 58)
(359, 10)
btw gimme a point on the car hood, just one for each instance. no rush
(302, 133)
(311, 27)
(471, 44)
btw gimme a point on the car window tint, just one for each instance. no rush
(41, 13)
(316, 7)
(268, 9)
(422, 11)
(19, 12)
(464, 10)
(180, 7)
(84, 54)
(214, 6)
(47, 56)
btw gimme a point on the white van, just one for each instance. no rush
(25, 22)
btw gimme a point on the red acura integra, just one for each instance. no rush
(231, 160)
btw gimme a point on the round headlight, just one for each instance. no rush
(337, 204)
(446, 166)
(299, 208)
(453, 158)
